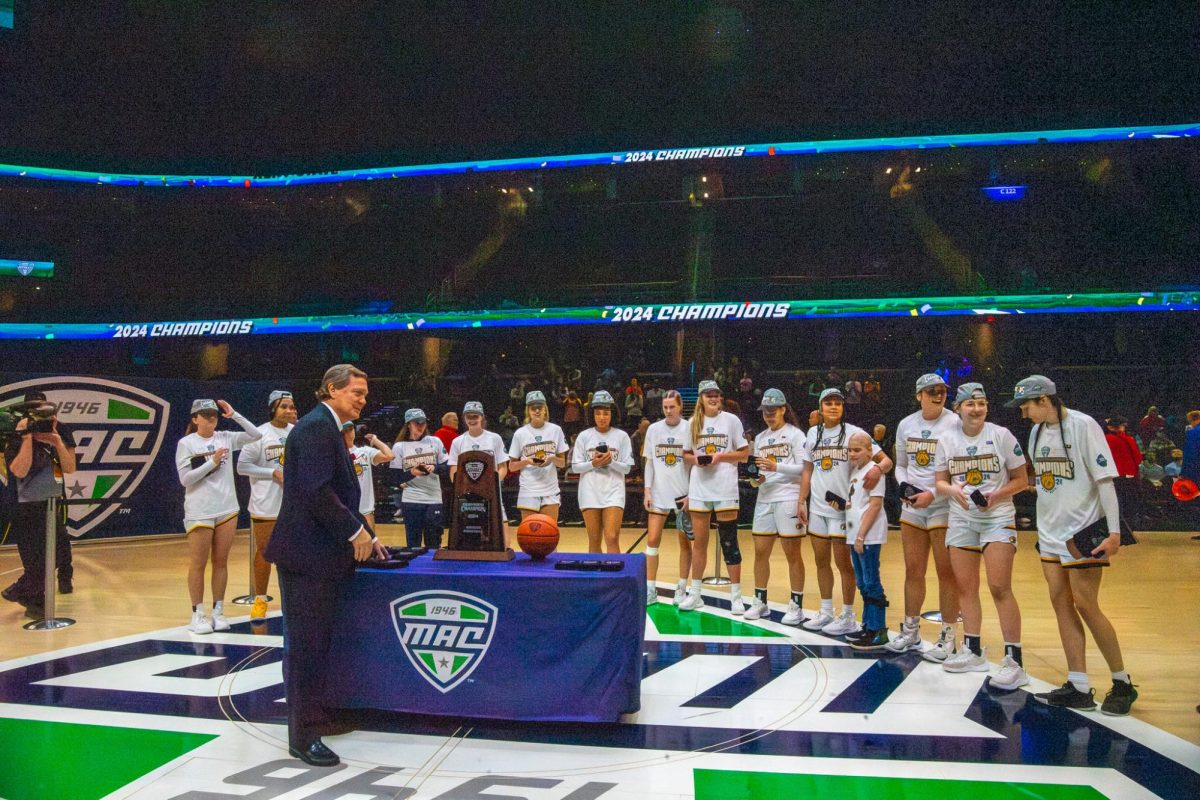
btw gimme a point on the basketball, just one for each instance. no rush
(538, 536)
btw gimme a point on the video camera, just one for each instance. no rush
(40, 414)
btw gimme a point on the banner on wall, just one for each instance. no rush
(125, 434)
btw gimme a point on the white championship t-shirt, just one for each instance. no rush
(364, 460)
(487, 441)
(716, 483)
(859, 500)
(267, 454)
(545, 443)
(427, 451)
(916, 449)
(828, 449)
(980, 463)
(607, 481)
(210, 491)
(786, 448)
(666, 475)
(1067, 498)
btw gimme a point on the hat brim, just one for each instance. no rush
(1017, 401)
(767, 406)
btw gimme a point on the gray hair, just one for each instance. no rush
(339, 375)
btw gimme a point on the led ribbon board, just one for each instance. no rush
(625, 315)
(26, 269)
(705, 153)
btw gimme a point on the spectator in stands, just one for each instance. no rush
(509, 423)
(1127, 457)
(1151, 473)
(449, 430)
(637, 442)
(1160, 447)
(653, 404)
(572, 414)
(635, 400)
(1151, 424)
(1191, 447)
(1175, 468)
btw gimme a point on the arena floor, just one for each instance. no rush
(710, 726)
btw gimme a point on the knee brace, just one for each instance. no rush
(727, 532)
(875, 600)
(651, 551)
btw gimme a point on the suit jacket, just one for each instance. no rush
(319, 513)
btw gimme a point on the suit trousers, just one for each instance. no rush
(311, 608)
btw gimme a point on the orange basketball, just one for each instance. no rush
(538, 536)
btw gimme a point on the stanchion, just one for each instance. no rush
(248, 599)
(50, 622)
(718, 579)
(935, 616)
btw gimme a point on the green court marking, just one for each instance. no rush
(82, 762)
(413, 611)
(466, 612)
(103, 484)
(119, 410)
(711, 784)
(671, 621)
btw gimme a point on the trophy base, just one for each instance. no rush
(446, 554)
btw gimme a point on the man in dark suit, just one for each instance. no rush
(318, 536)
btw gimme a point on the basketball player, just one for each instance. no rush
(979, 467)
(716, 444)
(366, 457)
(204, 461)
(602, 457)
(666, 487)
(924, 518)
(1075, 471)
(478, 437)
(538, 451)
(826, 478)
(779, 461)
(421, 459)
(262, 463)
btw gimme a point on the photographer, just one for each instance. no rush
(41, 453)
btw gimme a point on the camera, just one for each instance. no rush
(40, 414)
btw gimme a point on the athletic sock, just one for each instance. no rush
(798, 599)
(681, 583)
(1013, 651)
(1122, 676)
(219, 607)
(262, 597)
(827, 606)
(1079, 680)
(848, 608)
(735, 592)
(198, 607)
(696, 585)
(971, 641)
(761, 594)
(912, 622)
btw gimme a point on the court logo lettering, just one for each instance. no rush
(118, 430)
(445, 635)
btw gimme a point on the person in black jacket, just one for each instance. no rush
(317, 538)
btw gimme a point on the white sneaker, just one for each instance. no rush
(1010, 677)
(794, 615)
(693, 602)
(737, 606)
(819, 621)
(842, 625)
(757, 610)
(680, 595)
(907, 639)
(200, 623)
(966, 661)
(651, 595)
(943, 648)
(219, 623)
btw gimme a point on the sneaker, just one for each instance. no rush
(1067, 696)
(844, 624)
(943, 648)
(819, 621)
(1010, 677)
(908, 639)
(693, 602)
(737, 606)
(200, 623)
(680, 595)
(794, 615)
(651, 595)
(65, 584)
(757, 610)
(1119, 699)
(966, 661)
(259, 609)
(869, 640)
(218, 621)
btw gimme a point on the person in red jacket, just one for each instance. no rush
(449, 430)
(1150, 424)
(1126, 458)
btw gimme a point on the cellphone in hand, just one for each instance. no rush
(836, 501)
(704, 461)
(978, 499)
(602, 447)
(908, 491)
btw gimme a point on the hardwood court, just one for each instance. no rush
(125, 588)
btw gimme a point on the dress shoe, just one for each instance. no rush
(15, 593)
(65, 584)
(35, 612)
(315, 754)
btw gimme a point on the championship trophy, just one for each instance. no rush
(476, 525)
